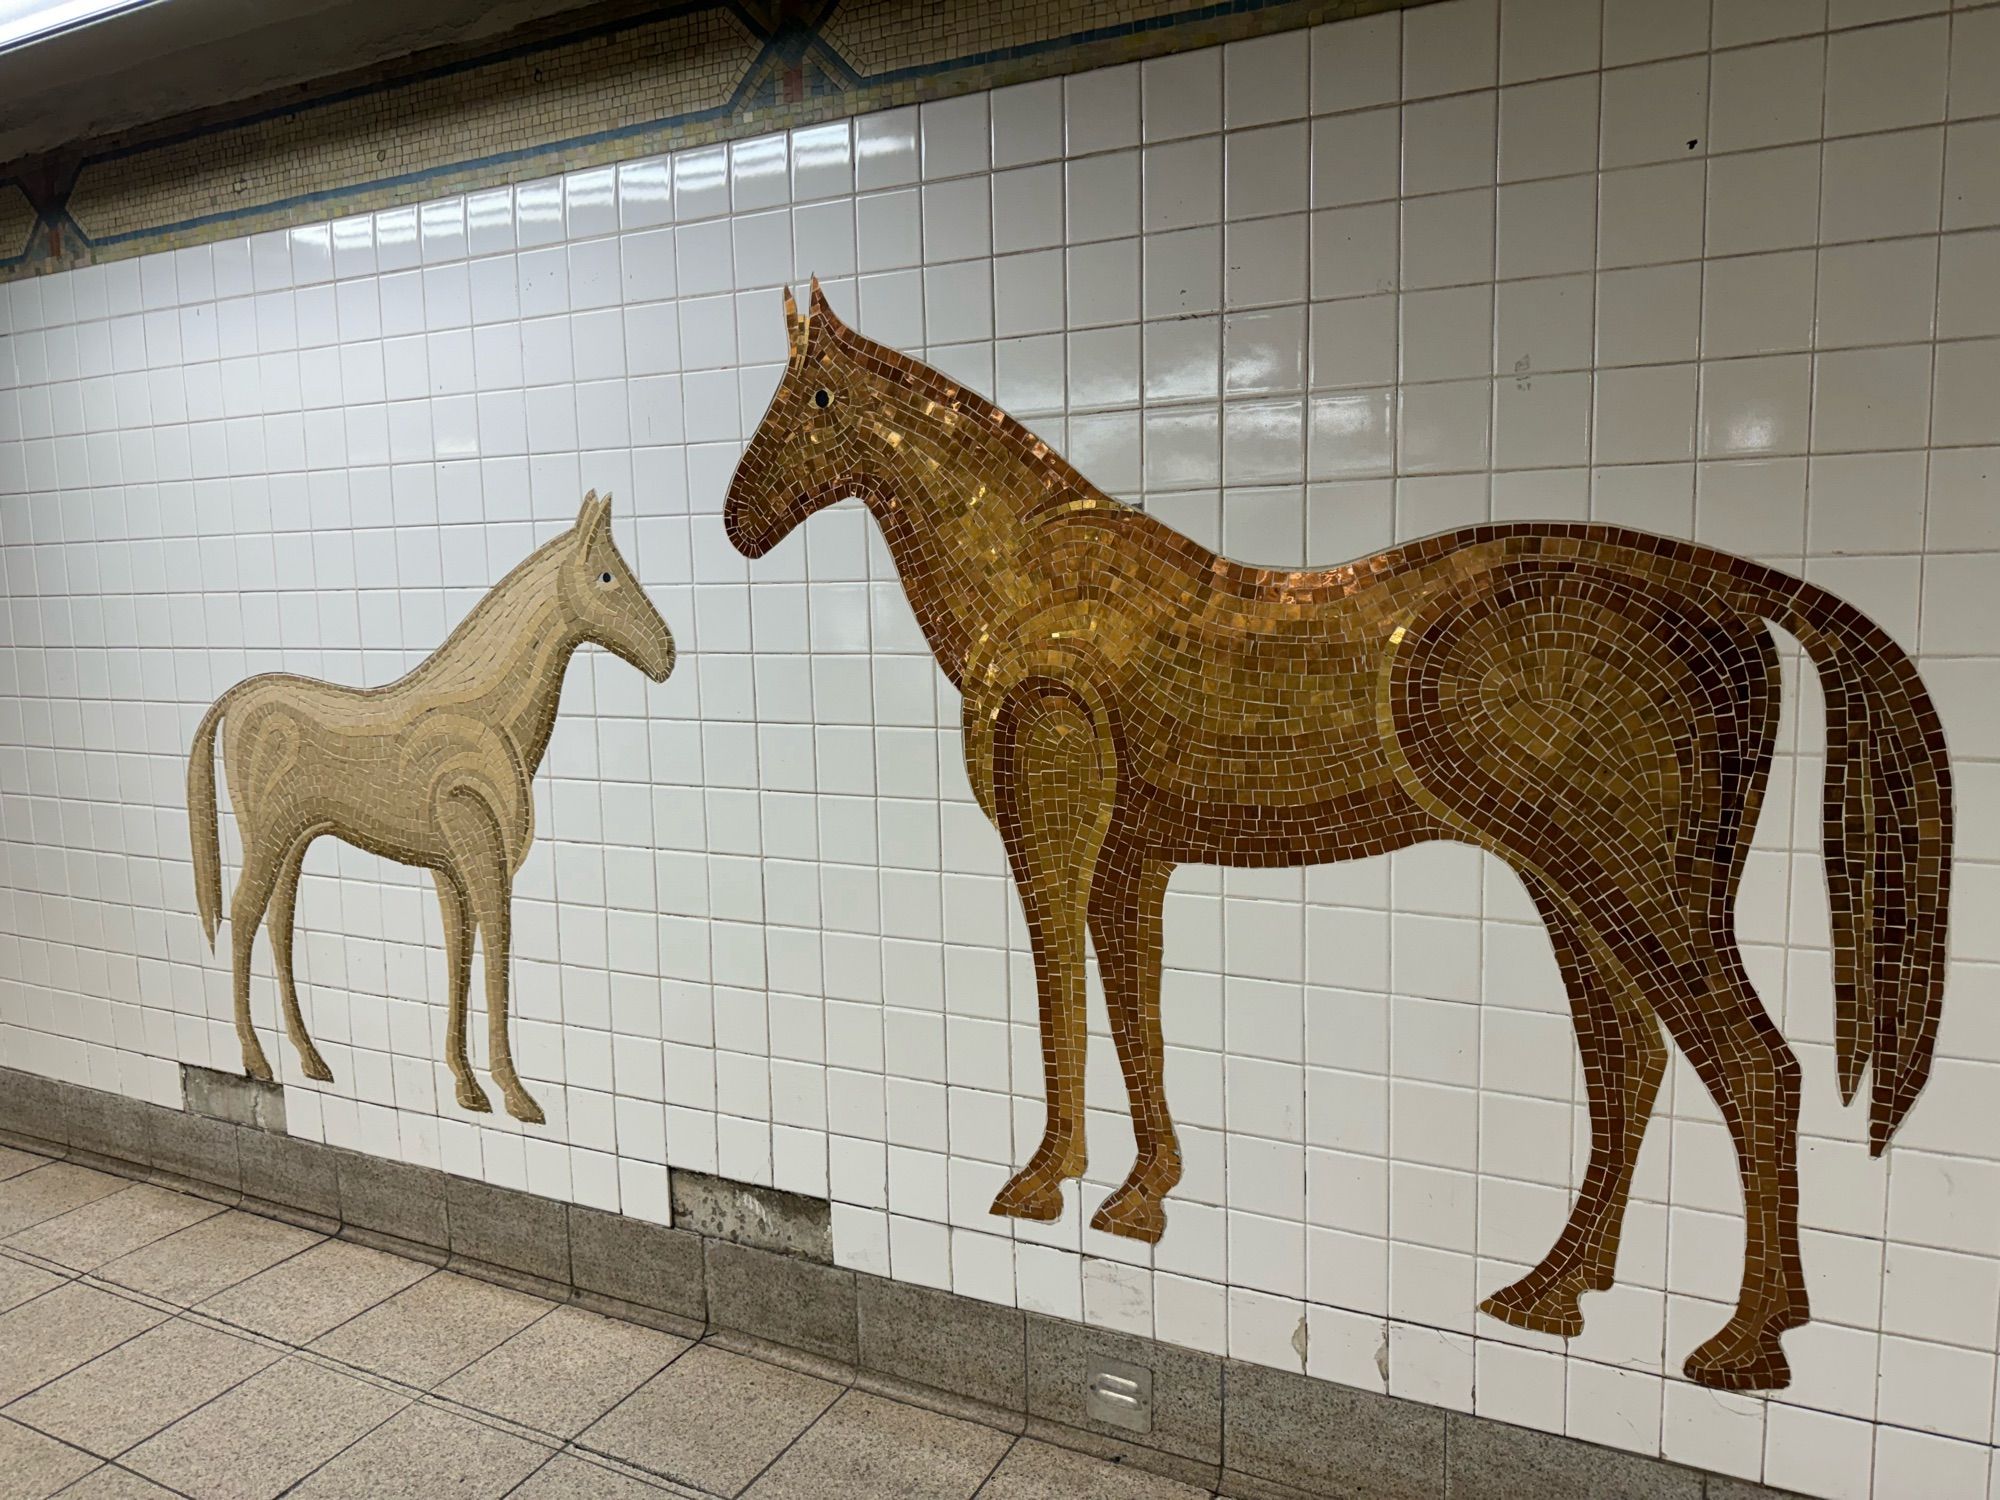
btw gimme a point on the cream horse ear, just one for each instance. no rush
(593, 517)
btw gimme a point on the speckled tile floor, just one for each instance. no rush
(153, 1343)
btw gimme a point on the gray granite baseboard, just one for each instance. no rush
(1251, 1432)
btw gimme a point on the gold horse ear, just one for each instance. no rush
(819, 300)
(795, 331)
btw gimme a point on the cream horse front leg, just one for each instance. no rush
(458, 931)
(479, 863)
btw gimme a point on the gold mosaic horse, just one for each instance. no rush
(1594, 705)
(432, 769)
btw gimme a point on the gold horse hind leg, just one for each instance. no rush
(1053, 791)
(1125, 911)
(1624, 1059)
(1755, 1080)
(284, 901)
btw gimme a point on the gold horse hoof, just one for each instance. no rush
(1541, 1304)
(523, 1108)
(313, 1065)
(1742, 1357)
(1030, 1195)
(1132, 1212)
(257, 1068)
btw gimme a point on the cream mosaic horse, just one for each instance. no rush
(432, 770)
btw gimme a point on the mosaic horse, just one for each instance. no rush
(1596, 706)
(432, 769)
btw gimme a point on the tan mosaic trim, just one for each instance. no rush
(17, 221)
(882, 36)
(384, 138)
(606, 83)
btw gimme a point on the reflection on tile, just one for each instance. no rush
(421, 1452)
(62, 1329)
(85, 1238)
(564, 1371)
(868, 1446)
(433, 1329)
(302, 1298)
(711, 1419)
(231, 1447)
(136, 1389)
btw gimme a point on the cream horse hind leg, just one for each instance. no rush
(480, 865)
(278, 920)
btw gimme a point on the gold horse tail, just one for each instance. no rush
(202, 830)
(1886, 812)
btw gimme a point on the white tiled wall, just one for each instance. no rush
(1733, 276)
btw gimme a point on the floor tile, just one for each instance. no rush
(19, 1281)
(1042, 1471)
(433, 1329)
(267, 1434)
(32, 1466)
(85, 1238)
(133, 1391)
(564, 1371)
(868, 1447)
(567, 1477)
(423, 1452)
(13, 1163)
(711, 1419)
(114, 1483)
(44, 1192)
(203, 1259)
(298, 1300)
(67, 1327)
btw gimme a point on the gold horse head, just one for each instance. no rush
(812, 446)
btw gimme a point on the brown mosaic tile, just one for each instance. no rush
(431, 770)
(1596, 706)
(17, 221)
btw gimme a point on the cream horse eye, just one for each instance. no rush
(604, 578)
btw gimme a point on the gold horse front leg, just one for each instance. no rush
(479, 861)
(1053, 789)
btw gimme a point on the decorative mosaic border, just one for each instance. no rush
(616, 81)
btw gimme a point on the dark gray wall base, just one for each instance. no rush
(1255, 1433)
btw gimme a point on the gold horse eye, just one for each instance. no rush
(822, 398)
